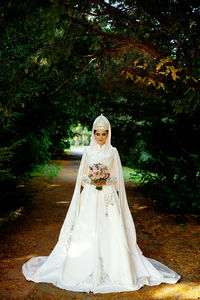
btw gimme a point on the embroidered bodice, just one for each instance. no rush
(98, 155)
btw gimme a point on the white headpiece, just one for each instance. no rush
(101, 123)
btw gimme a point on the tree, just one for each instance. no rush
(66, 62)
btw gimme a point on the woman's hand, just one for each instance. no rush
(98, 183)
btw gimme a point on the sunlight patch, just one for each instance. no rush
(187, 291)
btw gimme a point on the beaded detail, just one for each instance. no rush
(69, 239)
(100, 148)
(104, 277)
(101, 123)
(108, 199)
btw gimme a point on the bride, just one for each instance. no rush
(97, 249)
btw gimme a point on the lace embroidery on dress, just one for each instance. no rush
(69, 239)
(108, 199)
(104, 277)
(88, 281)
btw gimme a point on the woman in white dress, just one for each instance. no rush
(97, 249)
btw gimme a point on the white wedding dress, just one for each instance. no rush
(97, 249)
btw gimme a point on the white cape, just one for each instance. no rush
(96, 252)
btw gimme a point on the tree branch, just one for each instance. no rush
(141, 47)
(67, 80)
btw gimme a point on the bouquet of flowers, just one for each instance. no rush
(98, 173)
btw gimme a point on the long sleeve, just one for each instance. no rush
(113, 179)
(85, 178)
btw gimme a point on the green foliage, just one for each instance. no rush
(64, 63)
(49, 170)
(81, 136)
(167, 153)
(132, 174)
(33, 125)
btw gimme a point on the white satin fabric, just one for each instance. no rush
(97, 249)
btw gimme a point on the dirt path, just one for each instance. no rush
(35, 233)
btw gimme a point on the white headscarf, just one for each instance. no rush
(101, 123)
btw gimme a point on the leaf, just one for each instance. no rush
(173, 72)
(192, 23)
(161, 85)
(162, 62)
(151, 81)
(135, 62)
(140, 67)
(195, 80)
(129, 75)
(139, 78)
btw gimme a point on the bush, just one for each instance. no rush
(166, 152)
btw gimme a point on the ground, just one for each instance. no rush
(36, 231)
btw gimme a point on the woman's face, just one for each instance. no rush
(101, 136)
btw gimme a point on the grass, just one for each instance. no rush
(49, 170)
(67, 150)
(133, 175)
